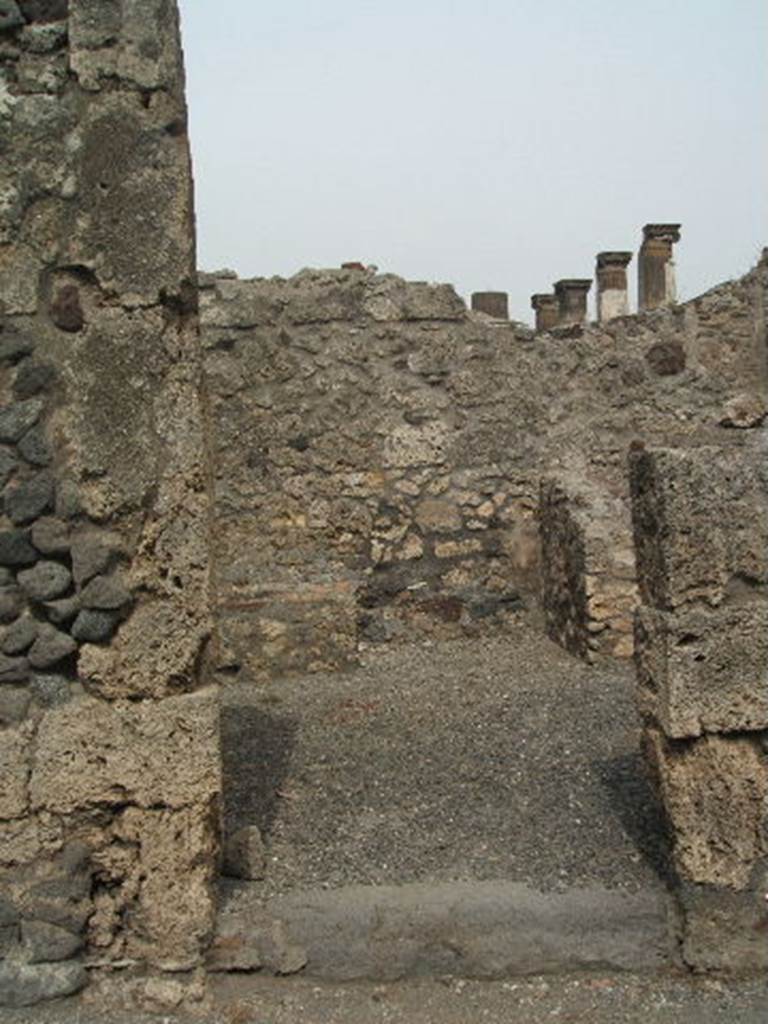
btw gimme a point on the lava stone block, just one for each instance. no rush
(50, 690)
(15, 548)
(48, 943)
(63, 610)
(50, 647)
(19, 636)
(14, 347)
(45, 581)
(17, 419)
(51, 536)
(94, 627)
(11, 603)
(13, 670)
(34, 448)
(92, 553)
(14, 704)
(105, 593)
(29, 499)
(32, 377)
(7, 466)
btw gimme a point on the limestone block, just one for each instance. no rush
(677, 516)
(704, 670)
(715, 792)
(93, 753)
(417, 444)
(14, 772)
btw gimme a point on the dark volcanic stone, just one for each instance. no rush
(11, 603)
(47, 943)
(34, 448)
(19, 636)
(63, 610)
(7, 466)
(32, 377)
(50, 690)
(10, 15)
(92, 553)
(68, 502)
(45, 581)
(51, 647)
(105, 593)
(666, 358)
(94, 627)
(8, 912)
(13, 670)
(16, 419)
(15, 548)
(14, 346)
(14, 704)
(44, 10)
(66, 311)
(28, 984)
(9, 925)
(51, 536)
(29, 499)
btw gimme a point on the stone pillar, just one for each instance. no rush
(493, 304)
(571, 296)
(612, 294)
(547, 311)
(655, 268)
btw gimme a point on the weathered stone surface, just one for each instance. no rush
(63, 610)
(7, 466)
(11, 603)
(724, 930)
(744, 411)
(14, 704)
(66, 311)
(51, 536)
(50, 647)
(14, 346)
(29, 498)
(92, 553)
(47, 943)
(50, 690)
(715, 792)
(34, 448)
(105, 593)
(234, 949)
(13, 670)
(244, 854)
(91, 753)
(15, 549)
(94, 627)
(16, 419)
(46, 581)
(704, 670)
(14, 773)
(19, 636)
(666, 358)
(10, 15)
(33, 376)
(28, 984)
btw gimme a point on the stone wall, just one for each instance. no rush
(379, 450)
(109, 749)
(701, 534)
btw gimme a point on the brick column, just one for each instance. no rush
(612, 293)
(571, 296)
(491, 303)
(655, 267)
(547, 313)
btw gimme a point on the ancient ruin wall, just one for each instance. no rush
(379, 450)
(109, 751)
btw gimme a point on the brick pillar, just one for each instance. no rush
(655, 267)
(612, 294)
(492, 303)
(547, 313)
(571, 296)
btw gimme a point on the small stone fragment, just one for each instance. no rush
(29, 499)
(7, 466)
(45, 581)
(16, 419)
(28, 984)
(47, 943)
(63, 610)
(50, 690)
(92, 553)
(11, 603)
(51, 647)
(105, 593)
(15, 548)
(66, 311)
(13, 670)
(51, 536)
(234, 951)
(33, 376)
(34, 448)
(94, 627)
(19, 636)
(13, 347)
(14, 704)
(244, 854)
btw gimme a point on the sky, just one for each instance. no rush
(493, 144)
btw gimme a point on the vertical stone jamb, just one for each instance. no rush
(656, 284)
(612, 292)
(547, 310)
(571, 296)
(493, 304)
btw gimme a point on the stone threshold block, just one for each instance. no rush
(703, 670)
(715, 793)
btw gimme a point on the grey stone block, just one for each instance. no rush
(50, 690)
(94, 626)
(10, 15)
(16, 419)
(34, 448)
(105, 593)
(28, 984)
(29, 499)
(13, 670)
(14, 346)
(63, 610)
(45, 581)
(19, 636)
(7, 466)
(33, 376)
(244, 854)
(92, 553)
(15, 548)
(48, 943)
(11, 603)
(51, 647)
(51, 535)
(14, 704)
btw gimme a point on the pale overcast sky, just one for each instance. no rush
(495, 144)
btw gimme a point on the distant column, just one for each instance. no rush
(612, 291)
(572, 300)
(655, 267)
(547, 312)
(492, 303)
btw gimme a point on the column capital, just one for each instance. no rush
(613, 259)
(663, 232)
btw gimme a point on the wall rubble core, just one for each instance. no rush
(109, 745)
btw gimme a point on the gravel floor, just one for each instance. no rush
(496, 759)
